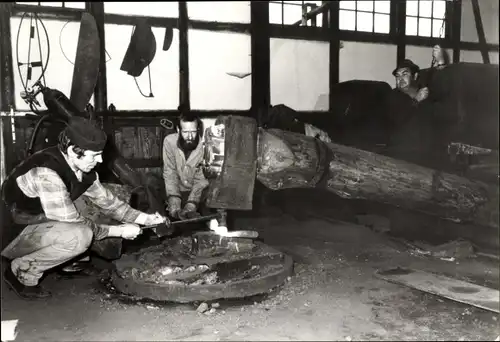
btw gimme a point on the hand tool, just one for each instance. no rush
(161, 229)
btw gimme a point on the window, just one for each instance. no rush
(151, 9)
(299, 73)
(223, 11)
(219, 70)
(62, 42)
(69, 4)
(365, 16)
(291, 12)
(426, 18)
(124, 91)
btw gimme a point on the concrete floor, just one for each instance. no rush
(333, 295)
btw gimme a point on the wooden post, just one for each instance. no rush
(7, 94)
(261, 65)
(326, 16)
(333, 32)
(292, 160)
(96, 8)
(456, 25)
(399, 8)
(184, 98)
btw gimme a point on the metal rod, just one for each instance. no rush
(181, 222)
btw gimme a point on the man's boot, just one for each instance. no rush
(23, 291)
(78, 268)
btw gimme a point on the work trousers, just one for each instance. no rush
(46, 245)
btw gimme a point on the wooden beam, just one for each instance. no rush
(7, 95)
(261, 64)
(184, 101)
(48, 12)
(430, 42)
(96, 8)
(333, 32)
(151, 114)
(298, 32)
(366, 37)
(219, 26)
(122, 19)
(73, 14)
(480, 32)
(456, 29)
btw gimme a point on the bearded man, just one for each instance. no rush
(182, 173)
(41, 226)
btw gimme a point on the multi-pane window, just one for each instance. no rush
(365, 16)
(426, 18)
(291, 12)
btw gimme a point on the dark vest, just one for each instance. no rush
(50, 158)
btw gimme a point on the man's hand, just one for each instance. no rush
(174, 206)
(129, 231)
(422, 94)
(189, 211)
(155, 218)
(174, 212)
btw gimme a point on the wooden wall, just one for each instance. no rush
(139, 141)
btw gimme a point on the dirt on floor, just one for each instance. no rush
(333, 295)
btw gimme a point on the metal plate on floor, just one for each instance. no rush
(454, 289)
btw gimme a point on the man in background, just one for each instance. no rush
(182, 173)
(406, 74)
(410, 120)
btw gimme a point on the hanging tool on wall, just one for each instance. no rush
(140, 53)
(169, 36)
(25, 68)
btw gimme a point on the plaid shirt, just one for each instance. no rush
(57, 205)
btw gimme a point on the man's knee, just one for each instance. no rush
(76, 239)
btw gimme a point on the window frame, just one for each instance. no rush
(372, 12)
(446, 20)
(309, 7)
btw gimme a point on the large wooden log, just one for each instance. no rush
(291, 160)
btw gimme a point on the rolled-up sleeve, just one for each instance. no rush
(55, 199)
(110, 204)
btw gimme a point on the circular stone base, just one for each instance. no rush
(201, 268)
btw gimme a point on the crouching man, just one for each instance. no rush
(182, 173)
(41, 225)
